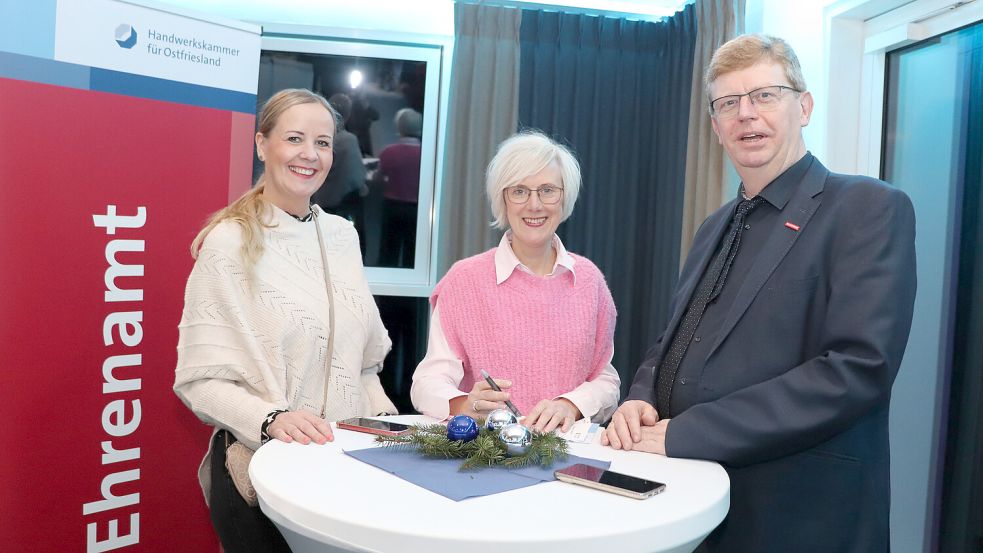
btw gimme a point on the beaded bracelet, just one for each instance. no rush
(264, 435)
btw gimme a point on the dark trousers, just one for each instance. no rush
(398, 234)
(351, 208)
(240, 528)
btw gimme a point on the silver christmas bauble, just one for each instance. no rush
(499, 418)
(517, 439)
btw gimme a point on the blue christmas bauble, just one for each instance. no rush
(462, 428)
(499, 418)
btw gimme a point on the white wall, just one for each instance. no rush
(433, 17)
(801, 24)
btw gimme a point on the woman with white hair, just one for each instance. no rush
(536, 317)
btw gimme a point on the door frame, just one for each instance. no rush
(857, 35)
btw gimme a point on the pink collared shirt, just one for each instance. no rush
(437, 377)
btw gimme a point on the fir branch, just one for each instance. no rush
(484, 451)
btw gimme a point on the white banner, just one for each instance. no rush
(138, 39)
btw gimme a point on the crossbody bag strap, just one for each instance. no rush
(327, 287)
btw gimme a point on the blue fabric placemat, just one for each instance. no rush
(443, 477)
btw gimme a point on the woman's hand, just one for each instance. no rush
(300, 426)
(549, 414)
(482, 399)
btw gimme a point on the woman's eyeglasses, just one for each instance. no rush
(521, 194)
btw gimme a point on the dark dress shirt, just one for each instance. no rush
(685, 391)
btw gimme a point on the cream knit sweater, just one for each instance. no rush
(253, 343)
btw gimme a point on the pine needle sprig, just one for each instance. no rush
(484, 451)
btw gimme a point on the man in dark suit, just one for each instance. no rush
(787, 329)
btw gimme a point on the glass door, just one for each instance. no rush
(933, 150)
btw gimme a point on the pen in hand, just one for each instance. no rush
(491, 382)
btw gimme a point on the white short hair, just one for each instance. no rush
(522, 155)
(409, 122)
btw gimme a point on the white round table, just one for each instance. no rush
(323, 500)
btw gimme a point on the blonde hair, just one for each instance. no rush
(251, 209)
(747, 50)
(522, 155)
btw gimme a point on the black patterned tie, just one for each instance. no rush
(708, 289)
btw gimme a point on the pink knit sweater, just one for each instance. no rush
(547, 335)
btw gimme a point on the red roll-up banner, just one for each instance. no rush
(121, 128)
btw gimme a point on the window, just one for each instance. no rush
(386, 185)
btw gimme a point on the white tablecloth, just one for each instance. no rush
(323, 500)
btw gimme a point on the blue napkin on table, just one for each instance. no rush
(443, 477)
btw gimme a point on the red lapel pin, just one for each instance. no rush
(792, 226)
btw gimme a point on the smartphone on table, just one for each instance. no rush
(610, 481)
(373, 426)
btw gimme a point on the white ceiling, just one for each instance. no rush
(651, 8)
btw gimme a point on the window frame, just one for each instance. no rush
(436, 51)
(858, 34)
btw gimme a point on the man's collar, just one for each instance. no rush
(779, 191)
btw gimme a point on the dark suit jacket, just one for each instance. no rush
(793, 399)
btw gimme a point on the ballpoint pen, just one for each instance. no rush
(491, 382)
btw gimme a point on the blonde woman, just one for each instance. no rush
(257, 333)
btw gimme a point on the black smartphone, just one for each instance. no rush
(610, 481)
(373, 426)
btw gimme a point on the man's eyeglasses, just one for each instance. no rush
(520, 194)
(765, 98)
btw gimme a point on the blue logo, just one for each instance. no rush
(126, 36)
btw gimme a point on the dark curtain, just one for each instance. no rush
(406, 319)
(962, 488)
(617, 92)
